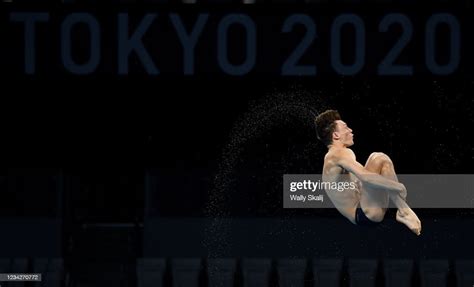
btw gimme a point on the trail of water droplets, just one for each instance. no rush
(263, 116)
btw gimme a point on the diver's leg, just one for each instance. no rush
(374, 202)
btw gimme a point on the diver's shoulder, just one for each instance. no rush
(339, 152)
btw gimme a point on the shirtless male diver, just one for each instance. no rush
(376, 182)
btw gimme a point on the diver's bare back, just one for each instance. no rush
(345, 201)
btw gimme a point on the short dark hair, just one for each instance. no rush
(326, 125)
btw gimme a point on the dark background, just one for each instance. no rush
(104, 149)
(424, 125)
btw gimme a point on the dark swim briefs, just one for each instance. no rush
(363, 220)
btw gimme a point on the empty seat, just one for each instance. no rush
(186, 272)
(327, 272)
(362, 272)
(434, 273)
(464, 273)
(150, 272)
(221, 272)
(256, 272)
(291, 272)
(51, 269)
(19, 265)
(398, 272)
(13, 265)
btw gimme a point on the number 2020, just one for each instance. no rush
(387, 67)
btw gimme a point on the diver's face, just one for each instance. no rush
(343, 133)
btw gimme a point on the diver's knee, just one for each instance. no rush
(381, 158)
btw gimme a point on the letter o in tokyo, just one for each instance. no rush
(66, 50)
(251, 41)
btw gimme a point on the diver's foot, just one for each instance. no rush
(408, 217)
